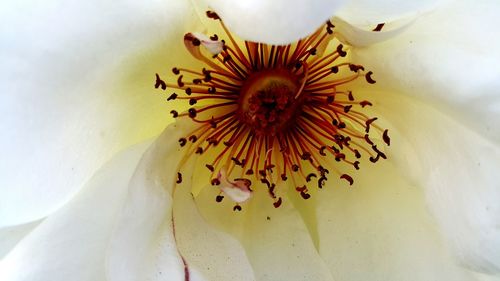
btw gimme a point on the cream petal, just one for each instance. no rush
(448, 58)
(10, 236)
(277, 242)
(459, 172)
(144, 245)
(209, 254)
(379, 230)
(274, 22)
(363, 36)
(71, 244)
(77, 80)
(368, 12)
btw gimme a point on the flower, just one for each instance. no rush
(383, 232)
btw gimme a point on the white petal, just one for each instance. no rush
(71, 244)
(277, 21)
(459, 171)
(210, 254)
(362, 36)
(448, 58)
(76, 84)
(368, 12)
(380, 230)
(10, 236)
(276, 240)
(142, 245)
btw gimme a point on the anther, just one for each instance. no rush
(174, 113)
(347, 178)
(160, 83)
(277, 203)
(182, 142)
(179, 178)
(341, 52)
(172, 97)
(386, 138)
(369, 78)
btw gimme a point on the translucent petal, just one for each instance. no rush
(459, 172)
(277, 242)
(274, 22)
(448, 58)
(145, 245)
(379, 230)
(367, 12)
(71, 244)
(76, 84)
(10, 236)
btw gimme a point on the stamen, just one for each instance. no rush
(267, 114)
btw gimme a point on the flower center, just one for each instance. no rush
(269, 101)
(264, 115)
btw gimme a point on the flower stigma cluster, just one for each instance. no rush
(266, 114)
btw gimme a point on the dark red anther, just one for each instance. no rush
(386, 137)
(174, 113)
(379, 152)
(305, 195)
(310, 176)
(179, 178)
(211, 90)
(188, 91)
(341, 52)
(312, 51)
(193, 138)
(374, 159)
(249, 172)
(192, 101)
(199, 150)
(368, 122)
(339, 156)
(357, 154)
(355, 67)
(160, 83)
(341, 125)
(237, 208)
(368, 140)
(321, 181)
(179, 81)
(172, 97)
(378, 27)
(350, 96)
(284, 177)
(214, 37)
(192, 112)
(212, 15)
(334, 69)
(356, 165)
(301, 188)
(306, 156)
(277, 203)
(182, 142)
(322, 151)
(219, 198)
(210, 167)
(347, 108)
(176, 71)
(197, 81)
(330, 99)
(365, 103)
(295, 167)
(368, 77)
(215, 181)
(347, 178)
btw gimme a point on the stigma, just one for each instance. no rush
(267, 114)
